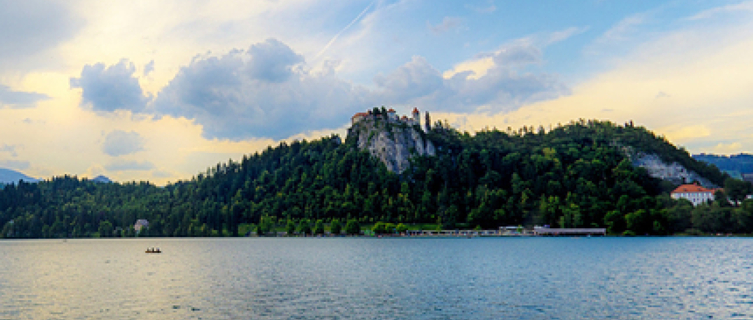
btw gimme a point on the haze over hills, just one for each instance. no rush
(8, 176)
(735, 165)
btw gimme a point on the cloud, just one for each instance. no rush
(129, 165)
(334, 38)
(447, 24)
(272, 61)
(257, 93)
(622, 28)
(746, 6)
(10, 149)
(728, 148)
(482, 9)
(502, 87)
(110, 88)
(30, 27)
(118, 143)
(18, 100)
(14, 164)
(148, 68)
(620, 34)
(662, 94)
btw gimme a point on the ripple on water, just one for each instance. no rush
(353, 278)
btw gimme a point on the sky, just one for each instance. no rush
(162, 90)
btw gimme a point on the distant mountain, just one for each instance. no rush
(8, 176)
(740, 163)
(102, 179)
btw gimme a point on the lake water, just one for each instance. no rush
(367, 278)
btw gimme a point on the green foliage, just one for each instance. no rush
(352, 227)
(336, 227)
(266, 226)
(319, 227)
(290, 228)
(379, 228)
(573, 175)
(737, 190)
(401, 228)
(304, 227)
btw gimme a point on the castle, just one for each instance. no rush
(392, 116)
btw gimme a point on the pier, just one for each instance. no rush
(541, 231)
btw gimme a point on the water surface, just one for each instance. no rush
(367, 278)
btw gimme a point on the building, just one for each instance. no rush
(359, 116)
(416, 117)
(391, 116)
(140, 224)
(694, 193)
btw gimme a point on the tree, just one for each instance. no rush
(105, 229)
(401, 228)
(353, 227)
(379, 228)
(290, 228)
(304, 227)
(737, 190)
(336, 227)
(319, 227)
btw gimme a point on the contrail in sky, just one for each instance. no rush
(343, 30)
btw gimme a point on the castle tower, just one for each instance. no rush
(427, 124)
(392, 115)
(416, 117)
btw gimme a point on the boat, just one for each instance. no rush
(152, 250)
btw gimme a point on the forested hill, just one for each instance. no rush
(576, 175)
(740, 163)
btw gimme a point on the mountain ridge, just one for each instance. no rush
(8, 176)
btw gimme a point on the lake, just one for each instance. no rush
(368, 278)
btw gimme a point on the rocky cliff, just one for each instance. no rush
(658, 168)
(393, 143)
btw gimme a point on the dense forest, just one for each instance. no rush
(574, 175)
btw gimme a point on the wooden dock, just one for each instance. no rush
(541, 231)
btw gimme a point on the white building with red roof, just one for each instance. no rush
(694, 193)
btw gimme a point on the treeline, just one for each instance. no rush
(742, 163)
(570, 176)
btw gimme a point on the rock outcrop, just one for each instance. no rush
(658, 168)
(393, 143)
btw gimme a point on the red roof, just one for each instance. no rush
(415, 110)
(360, 114)
(688, 188)
(391, 110)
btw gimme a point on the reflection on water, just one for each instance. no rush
(357, 278)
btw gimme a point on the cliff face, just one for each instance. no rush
(391, 142)
(673, 172)
(657, 168)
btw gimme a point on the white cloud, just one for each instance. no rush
(119, 142)
(447, 24)
(745, 6)
(728, 148)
